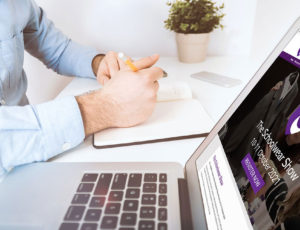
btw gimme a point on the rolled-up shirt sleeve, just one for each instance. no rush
(38, 132)
(44, 41)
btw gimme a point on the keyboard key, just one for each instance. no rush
(150, 177)
(109, 222)
(147, 212)
(133, 193)
(75, 213)
(162, 226)
(130, 205)
(112, 208)
(126, 228)
(103, 184)
(149, 188)
(88, 226)
(89, 177)
(115, 196)
(162, 214)
(163, 177)
(163, 188)
(148, 199)
(97, 202)
(80, 198)
(93, 215)
(119, 181)
(162, 200)
(69, 226)
(85, 187)
(135, 180)
(146, 225)
(128, 219)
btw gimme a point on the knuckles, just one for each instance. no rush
(110, 54)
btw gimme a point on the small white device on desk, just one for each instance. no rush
(216, 79)
(176, 116)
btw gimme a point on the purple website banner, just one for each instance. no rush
(291, 59)
(252, 173)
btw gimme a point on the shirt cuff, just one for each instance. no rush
(76, 60)
(61, 124)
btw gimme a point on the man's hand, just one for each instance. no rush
(126, 100)
(107, 66)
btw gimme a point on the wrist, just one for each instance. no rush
(94, 112)
(96, 62)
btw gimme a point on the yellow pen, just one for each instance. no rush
(127, 62)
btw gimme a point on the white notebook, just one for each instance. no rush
(171, 120)
(176, 116)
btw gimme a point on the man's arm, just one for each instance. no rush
(44, 41)
(37, 133)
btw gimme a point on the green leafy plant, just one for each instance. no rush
(194, 16)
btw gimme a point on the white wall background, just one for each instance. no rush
(133, 26)
(272, 20)
(136, 27)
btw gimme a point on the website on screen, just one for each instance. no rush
(260, 154)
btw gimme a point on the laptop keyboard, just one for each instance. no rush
(119, 201)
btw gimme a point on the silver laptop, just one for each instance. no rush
(241, 177)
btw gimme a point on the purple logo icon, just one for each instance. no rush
(293, 125)
(298, 54)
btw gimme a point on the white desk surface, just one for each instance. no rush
(215, 100)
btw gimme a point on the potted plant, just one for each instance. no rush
(192, 21)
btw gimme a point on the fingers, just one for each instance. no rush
(103, 79)
(156, 86)
(122, 64)
(109, 66)
(153, 73)
(112, 63)
(146, 62)
(157, 73)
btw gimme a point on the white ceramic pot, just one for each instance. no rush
(192, 47)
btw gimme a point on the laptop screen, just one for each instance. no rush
(251, 181)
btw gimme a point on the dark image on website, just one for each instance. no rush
(262, 144)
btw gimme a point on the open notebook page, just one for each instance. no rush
(170, 120)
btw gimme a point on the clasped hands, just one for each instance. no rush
(127, 98)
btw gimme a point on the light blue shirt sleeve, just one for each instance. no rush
(44, 41)
(33, 133)
(37, 133)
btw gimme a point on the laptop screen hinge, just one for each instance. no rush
(185, 208)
